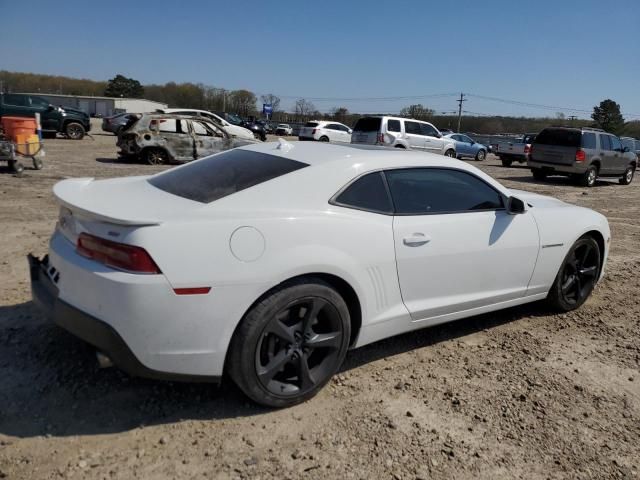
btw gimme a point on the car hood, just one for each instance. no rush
(538, 201)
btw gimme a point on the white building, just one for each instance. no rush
(102, 106)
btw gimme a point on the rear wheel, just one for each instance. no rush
(577, 276)
(324, 138)
(588, 178)
(74, 131)
(155, 156)
(506, 162)
(538, 174)
(481, 155)
(401, 146)
(627, 178)
(450, 153)
(290, 344)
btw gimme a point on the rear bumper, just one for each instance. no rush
(90, 329)
(555, 167)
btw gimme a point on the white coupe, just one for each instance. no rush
(270, 261)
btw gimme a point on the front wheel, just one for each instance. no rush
(290, 344)
(627, 178)
(481, 155)
(577, 276)
(323, 139)
(450, 153)
(74, 131)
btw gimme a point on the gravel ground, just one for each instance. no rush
(521, 393)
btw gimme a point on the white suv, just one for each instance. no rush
(402, 133)
(325, 132)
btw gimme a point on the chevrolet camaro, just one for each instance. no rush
(268, 262)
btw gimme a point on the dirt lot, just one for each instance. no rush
(516, 394)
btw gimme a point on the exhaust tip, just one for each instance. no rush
(103, 360)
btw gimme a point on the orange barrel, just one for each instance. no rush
(18, 126)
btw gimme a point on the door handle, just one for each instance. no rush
(416, 240)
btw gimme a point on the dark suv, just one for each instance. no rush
(582, 153)
(73, 123)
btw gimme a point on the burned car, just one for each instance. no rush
(158, 138)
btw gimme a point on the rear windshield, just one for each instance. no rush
(562, 137)
(311, 124)
(220, 175)
(368, 124)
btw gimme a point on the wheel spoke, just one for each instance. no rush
(275, 364)
(330, 340)
(276, 327)
(304, 374)
(566, 287)
(311, 314)
(588, 271)
(585, 255)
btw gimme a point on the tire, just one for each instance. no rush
(155, 156)
(323, 138)
(74, 131)
(577, 276)
(272, 333)
(450, 153)
(37, 163)
(506, 162)
(481, 155)
(538, 174)
(627, 178)
(16, 167)
(589, 177)
(401, 146)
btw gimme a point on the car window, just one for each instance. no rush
(15, 100)
(368, 124)
(39, 102)
(311, 124)
(170, 125)
(629, 143)
(412, 127)
(344, 128)
(393, 126)
(456, 138)
(367, 193)
(205, 129)
(428, 130)
(332, 126)
(562, 137)
(605, 142)
(615, 144)
(218, 176)
(465, 139)
(422, 191)
(588, 140)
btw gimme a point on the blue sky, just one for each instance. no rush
(568, 54)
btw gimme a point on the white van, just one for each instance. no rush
(402, 133)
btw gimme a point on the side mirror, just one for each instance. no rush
(515, 206)
(350, 131)
(51, 108)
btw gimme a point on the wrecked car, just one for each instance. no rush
(165, 138)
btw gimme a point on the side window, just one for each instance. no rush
(393, 126)
(332, 126)
(423, 191)
(428, 130)
(412, 127)
(605, 142)
(343, 128)
(38, 102)
(15, 100)
(457, 138)
(589, 140)
(615, 144)
(170, 125)
(367, 193)
(201, 129)
(466, 139)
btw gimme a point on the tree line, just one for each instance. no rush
(245, 103)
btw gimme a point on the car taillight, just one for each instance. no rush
(116, 255)
(527, 149)
(381, 138)
(581, 156)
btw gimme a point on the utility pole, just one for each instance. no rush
(462, 99)
(224, 101)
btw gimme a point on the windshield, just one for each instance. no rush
(231, 118)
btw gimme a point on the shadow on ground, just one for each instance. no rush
(52, 385)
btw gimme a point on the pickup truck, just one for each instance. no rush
(68, 121)
(516, 151)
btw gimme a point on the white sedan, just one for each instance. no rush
(324, 131)
(270, 261)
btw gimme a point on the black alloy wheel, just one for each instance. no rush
(74, 131)
(578, 275)
(290, 344)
